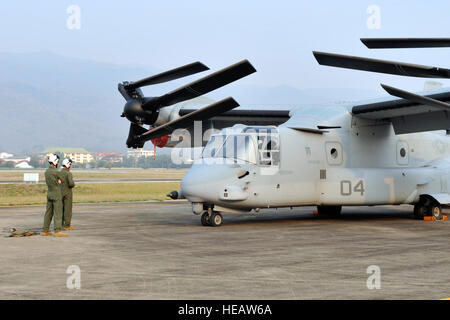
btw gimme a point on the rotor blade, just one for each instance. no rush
(188, 119)
(415, 97)
(173, 74)
(135, 130)
(396, 43)
(381, 66)
(123, 92)
(204, 85)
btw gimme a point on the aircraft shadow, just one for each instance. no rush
(347, 216)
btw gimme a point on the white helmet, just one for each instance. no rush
(67, 162)
(53, 159)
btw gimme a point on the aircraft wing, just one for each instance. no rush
(246, 117)
(411, 113)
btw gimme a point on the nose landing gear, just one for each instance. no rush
(213, 219)
(205, 219)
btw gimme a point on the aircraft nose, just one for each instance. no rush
(203, 181)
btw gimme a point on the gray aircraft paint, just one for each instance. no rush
(370, 167)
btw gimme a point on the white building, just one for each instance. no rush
(78, 155)
(23, 165)
(140, 153)
(5, 155)
(16, 160)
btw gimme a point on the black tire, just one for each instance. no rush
(436, 211)
(419, 211)
(331, 211)
(205, 219)
(216, 219)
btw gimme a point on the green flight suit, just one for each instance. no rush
(54, 200)
(66, 189)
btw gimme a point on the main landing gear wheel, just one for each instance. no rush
(436, 212)
(422, 210)
(215, 219)
(419, 211)
(205, 219)
(331, 211)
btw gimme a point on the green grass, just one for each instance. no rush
(21, 194)
(101, 174)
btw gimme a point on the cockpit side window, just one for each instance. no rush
(269, 151)
(235, 146)
(241, 147)
(268, 144)
(257, 145)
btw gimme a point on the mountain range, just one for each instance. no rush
(48, 100)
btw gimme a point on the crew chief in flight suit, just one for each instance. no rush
(66, 188)
(54, 199)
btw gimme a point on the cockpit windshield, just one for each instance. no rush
(257, 145)
(236, 146)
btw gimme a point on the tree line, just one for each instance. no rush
(161, 161)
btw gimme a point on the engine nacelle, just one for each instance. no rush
(167, 114)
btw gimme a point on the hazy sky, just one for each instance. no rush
(276, 36)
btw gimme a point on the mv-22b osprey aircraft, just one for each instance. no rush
(378, 153)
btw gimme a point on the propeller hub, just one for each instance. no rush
(133, 110)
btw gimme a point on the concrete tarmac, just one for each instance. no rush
(151, 250)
